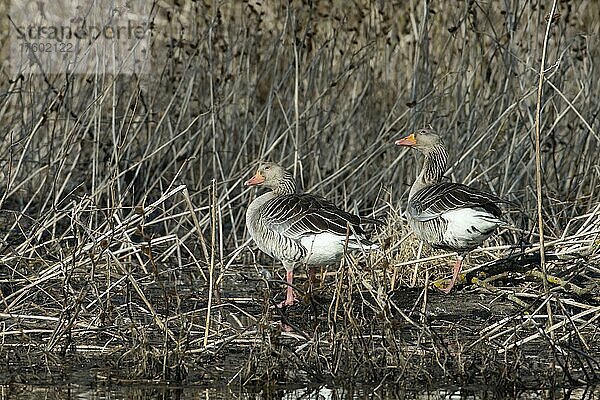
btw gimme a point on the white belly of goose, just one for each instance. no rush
(468, 227)
(327, 248)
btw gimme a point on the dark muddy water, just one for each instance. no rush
(448, 336)
(85, 391)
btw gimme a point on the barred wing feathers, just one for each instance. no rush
(433, 201)
(299, 215)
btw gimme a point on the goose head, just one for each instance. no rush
(422, 139)
(274, 177)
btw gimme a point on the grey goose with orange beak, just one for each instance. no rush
(299, 228)
(447, 215)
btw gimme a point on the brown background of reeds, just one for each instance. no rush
(123, 204)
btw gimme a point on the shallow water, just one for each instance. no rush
(72, 391)
(262, 357)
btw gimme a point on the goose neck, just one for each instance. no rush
(434, 166)
(287, 185)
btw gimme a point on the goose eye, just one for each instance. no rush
(267, 168)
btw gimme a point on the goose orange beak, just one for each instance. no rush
(406, 141)
(257, 179)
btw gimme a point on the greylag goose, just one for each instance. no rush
(447, 215)
(299, 228)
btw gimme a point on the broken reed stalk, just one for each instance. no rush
(296, 103)
(211, 266)
(538, 158)
(538, 164)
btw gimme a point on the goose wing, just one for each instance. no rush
(298, 215)
(433, 201)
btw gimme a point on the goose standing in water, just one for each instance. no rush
(300, 228)
(447, 215)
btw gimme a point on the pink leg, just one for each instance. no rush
(289, 298)
(457, 268)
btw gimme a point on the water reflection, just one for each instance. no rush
(77, 392)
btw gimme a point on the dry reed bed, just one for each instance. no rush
(123, 209)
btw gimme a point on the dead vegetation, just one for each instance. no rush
(123, 240)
